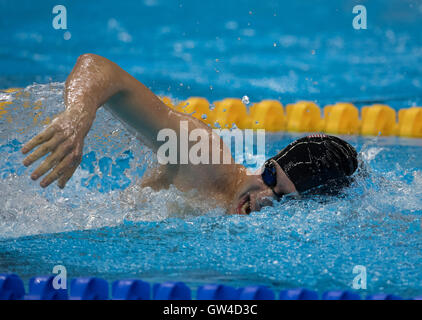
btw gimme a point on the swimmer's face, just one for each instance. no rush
(254, 194)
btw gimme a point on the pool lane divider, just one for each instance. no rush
(92, 288)
(304, 116)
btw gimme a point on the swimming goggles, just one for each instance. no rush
(269, 176)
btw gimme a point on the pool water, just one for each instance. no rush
(103, 225)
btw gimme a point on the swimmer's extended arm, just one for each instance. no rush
(94, 81)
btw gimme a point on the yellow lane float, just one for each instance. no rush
(410, 122)
(11, 90)
(341, 118)
(303, 116)
(268, 114)
(378, 119)
(167, 101)
(3, 107)
(231, 111)
(197, 107)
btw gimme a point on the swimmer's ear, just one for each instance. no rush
(284, 184)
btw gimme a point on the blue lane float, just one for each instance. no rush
(172, 291)
(256, 293)
(11, 287)
(92, 288)
(340, 295)
(216, 292)
(42, 288)
(383, 296)
(131, 289)
(88, 288)
(298, 294)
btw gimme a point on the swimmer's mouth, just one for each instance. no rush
(244, 206)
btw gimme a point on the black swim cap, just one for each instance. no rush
(316, 160)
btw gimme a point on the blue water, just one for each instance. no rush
(226, 48)
(103, 224)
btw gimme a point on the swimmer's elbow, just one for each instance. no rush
(96, 72)
(88, 58)
(95, 63)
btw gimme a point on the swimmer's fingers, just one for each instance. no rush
(47, 147)
(38, 139)
(70, 161)
(52, 160)
(66, 176)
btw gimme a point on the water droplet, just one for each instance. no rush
(67, 35)
(245, 100)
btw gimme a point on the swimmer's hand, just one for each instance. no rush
(63, 139)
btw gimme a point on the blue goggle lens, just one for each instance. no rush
(269, 175)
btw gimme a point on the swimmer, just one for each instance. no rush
(304, 164)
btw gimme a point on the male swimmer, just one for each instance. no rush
(304, 164)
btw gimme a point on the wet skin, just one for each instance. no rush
(95, 81)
